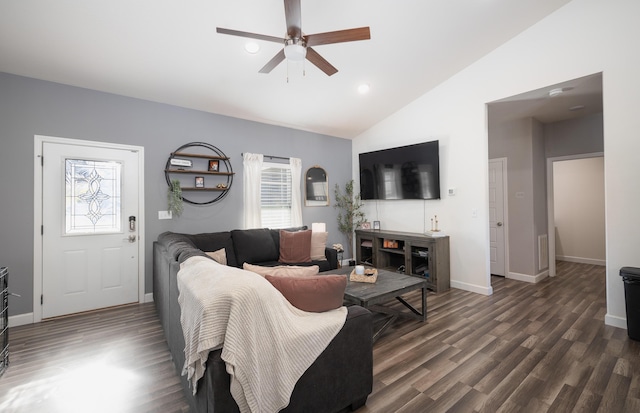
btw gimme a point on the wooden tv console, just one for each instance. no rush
(408, 253)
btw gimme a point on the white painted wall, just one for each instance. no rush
(582, 38)
(578, 194)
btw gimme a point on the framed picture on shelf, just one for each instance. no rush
(365, 225)
(199, 181)
(376, 225)
(213, 165)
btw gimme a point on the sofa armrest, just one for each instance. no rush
(341, 376)
(332, 257)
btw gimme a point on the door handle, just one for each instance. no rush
(131, 238)
(499, 224)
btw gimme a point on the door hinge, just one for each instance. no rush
(41, 229)
(41, 299)
(42, 161)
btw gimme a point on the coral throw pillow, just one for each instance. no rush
(295, 247)
(315, 294)
(283, 270)
(318, 244)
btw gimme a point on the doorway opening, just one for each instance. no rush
(528, 130)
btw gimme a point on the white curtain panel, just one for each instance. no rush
(251, 192)
(296, 192)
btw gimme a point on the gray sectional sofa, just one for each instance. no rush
(339, 379)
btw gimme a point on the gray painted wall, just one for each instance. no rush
(513, 140)
(539, 192)
(574, 136)
(31, 107)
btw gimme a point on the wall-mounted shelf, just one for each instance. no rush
(202, 156)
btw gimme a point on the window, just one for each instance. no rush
(275, 192)
(92, 196)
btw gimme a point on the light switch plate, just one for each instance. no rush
(164, 215)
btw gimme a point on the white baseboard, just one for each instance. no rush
(528, 278)
(472, 287)
(615, 321)
(27, 318)
(20, 319)
(581, 260)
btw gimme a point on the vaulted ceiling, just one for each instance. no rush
(168, 51)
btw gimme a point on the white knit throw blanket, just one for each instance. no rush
(267, 344)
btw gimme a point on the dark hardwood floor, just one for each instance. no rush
(527, 348)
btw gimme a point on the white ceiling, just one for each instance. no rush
(168, 51)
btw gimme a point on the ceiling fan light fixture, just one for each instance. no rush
(252, 47)
(295, 50)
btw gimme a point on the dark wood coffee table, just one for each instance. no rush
(388, 286)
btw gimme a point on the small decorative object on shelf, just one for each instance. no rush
(376, 225)
(434, 231)
(203, 160)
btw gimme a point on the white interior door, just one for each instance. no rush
(90, 254)
(497, 246)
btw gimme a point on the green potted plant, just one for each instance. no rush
(174, 197)
(350, 214)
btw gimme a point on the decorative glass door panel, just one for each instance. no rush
(92, 197)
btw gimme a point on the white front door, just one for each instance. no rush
(497, 170)
(90, 251)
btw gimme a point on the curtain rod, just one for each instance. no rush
(271, 157)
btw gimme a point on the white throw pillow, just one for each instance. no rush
(318, 244)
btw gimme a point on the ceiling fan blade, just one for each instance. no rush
(275, 61)
(349, 35)
(320, 62)
(293, 16)
(250, 35)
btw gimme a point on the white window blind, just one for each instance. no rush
(275, 192)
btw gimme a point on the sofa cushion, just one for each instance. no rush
(318, 245)
(213, 242)
(254, 245)
(316, 293)
(295, 247)
(283, 270)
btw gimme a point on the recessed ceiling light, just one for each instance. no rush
(556, 92)
(363, 88)
(252, 47)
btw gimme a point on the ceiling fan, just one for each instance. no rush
(297, 46)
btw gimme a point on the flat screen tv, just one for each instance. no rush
(406, 172)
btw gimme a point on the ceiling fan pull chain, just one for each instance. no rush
(288, 63)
